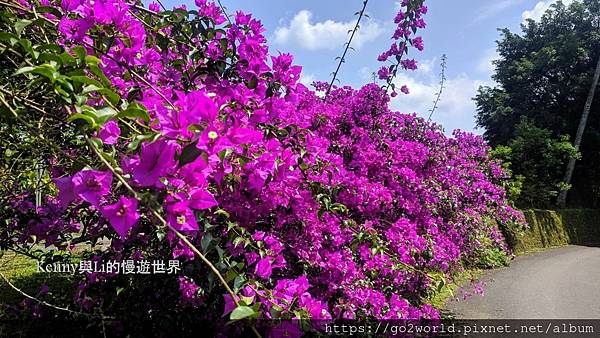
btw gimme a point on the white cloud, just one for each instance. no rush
(426, 66)
(456, 108)
(485, 64)
(328, 34)
(366, 74)
(495, 8)
(540, 8)
(307, 79)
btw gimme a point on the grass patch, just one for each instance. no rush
(22, 272)
(460, 279)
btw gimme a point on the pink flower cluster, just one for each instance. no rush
(408, 20)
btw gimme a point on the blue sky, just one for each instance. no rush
(465, 30)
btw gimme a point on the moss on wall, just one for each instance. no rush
(551, 228)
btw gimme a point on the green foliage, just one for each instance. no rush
(490, 256)
(540, 159)
(544, 75)
(513, 185)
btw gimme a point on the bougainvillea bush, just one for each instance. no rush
(174, 134)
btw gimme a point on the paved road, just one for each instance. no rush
(561, 283)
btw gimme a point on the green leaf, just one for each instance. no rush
(90, 59)
(100, 74)
(67, 59)
(206, 241)
(91, 88)
(238, 282)
(189, 154)
(45, 70)
(28, 47)
(134, 144)
(82, 53)
(79, 116)
(86, 80)
(20, 26)
(27, 69)
(237, 241)
(47, 57)
(104, 114)
(135, 110)
(247, 300)
(113, 97)
(252, 83)
(222, 212)
(9, 37)
(92, 62)
(241, 312)
(441, 285)
(51, 10)
(93, 116)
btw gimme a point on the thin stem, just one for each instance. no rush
(87, 238)
(10, 109)
(224, 11)
(161, 5)
(43, 31)
(24, 253)
(439, 93)
(29, 103)
(13, 6)
(343, 58)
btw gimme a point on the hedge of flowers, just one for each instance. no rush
(191, 142)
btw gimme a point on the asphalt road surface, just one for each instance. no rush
(561, 283)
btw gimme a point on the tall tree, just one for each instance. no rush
(543, 74)
(562, 197)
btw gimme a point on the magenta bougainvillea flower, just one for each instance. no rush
(92, 185)
(110, 132)
(73, 29)
(122, 215)
(201, 199)
(69, 5)
(192, 109)
(197, 103)
(65, 187)
(383, 72)
(263, 268)
(239, 135)
(156, 160)
(180, 215)
(418, 43)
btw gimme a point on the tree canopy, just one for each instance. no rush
(544, 74)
